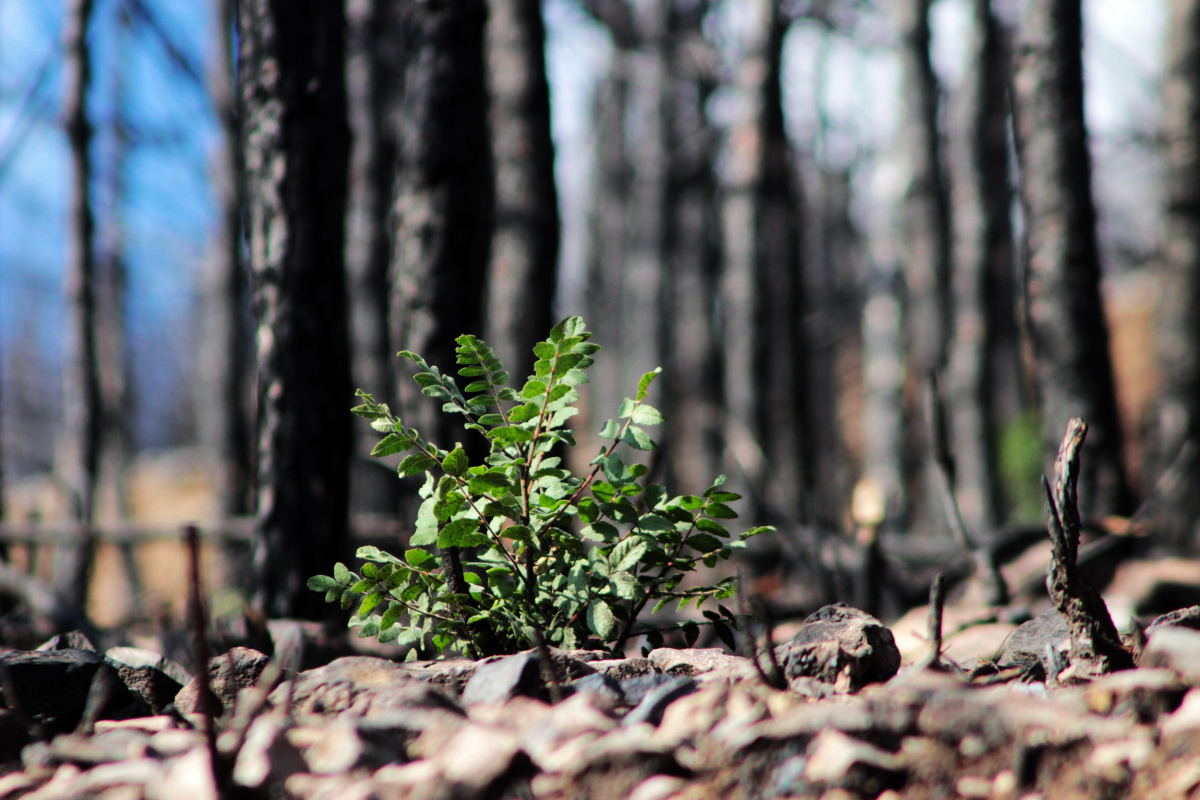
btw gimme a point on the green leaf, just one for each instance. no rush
(703, 542)
(341, 574)
(644, 383)
(711, 526)
(455, 463)
(611, 429)
(510, 435)
(600, 620)
(627, 553)
(720, 511)
(370, 571)
(624, 584)
(757, 531)
(417, 557)
(691, 632)
(655, 523)
(389, 634)
(362, 586)
(491, 419)
(368, 604)
(524, 413)
(415, 464)
(600, 531)
(493, 483)
(321, 583)
(533, 388)
(518, 533)
(461, 533)
(368, 629)
(724, 497)
(425, 532)
(647, 415)
(391, 444)
(637, 438)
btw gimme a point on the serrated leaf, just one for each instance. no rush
(425, 532)
(711, 526)
(493, 483)
(391, 444)
(334, 594)
(461, 533)
(647, 415)
(415, 464)
(491, 419)
(362, 586)
(600, 531)
(533, 388)
(524, 413)
(600, 620)
(368, 604)
(611, 429)
(321, 583)
(341, 574)
(624, 584)
(627, 553)
(387, 634)
(509, 435)
(455, 463)
(370, 571)
(518, 533)
(644, 383)
(655, 523)
(416, 557)
(720, 511)
(477, 386)
(368, 629)
(638, 439)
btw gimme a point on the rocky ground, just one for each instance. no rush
(846, 721)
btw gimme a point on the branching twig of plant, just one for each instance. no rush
(1093, 635)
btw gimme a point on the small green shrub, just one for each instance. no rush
(518, 546)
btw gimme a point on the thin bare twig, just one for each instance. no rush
(937, 603)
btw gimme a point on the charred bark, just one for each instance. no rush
(1178, 413)
(79, 448)
(982, 259)
(442, 208)
(522, 276)
(295, 142)
(1066, 322)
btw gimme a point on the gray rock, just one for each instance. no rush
(692, 662)
(149, 675)
(655, 701)
(1180, 618)
(622, 668)
(1176, 649)
(1027, 645)
(51, 687)
(450, 675)
(604, 690)
(842, 646)
(228, 673)
(72, 640)
(496, 681)
(360, 686)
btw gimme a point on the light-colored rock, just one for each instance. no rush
(361, 686)
(1176, 649)
(189, 776)
(267, 755)
(832, 755)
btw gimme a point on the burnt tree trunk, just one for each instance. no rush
(982, 256)
(79, 447)
(374, 64)
(292, 88)
(1065, 315)
(225, 349)
(442, 209)
(762, 294)
(522, 275)
(1179, 330)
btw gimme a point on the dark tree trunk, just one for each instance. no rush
(692, 391)
(925, 218)
(224, 354)
(292, 88)
(1179, 331)
(1065, 314)
(983, 255)
(80, 445)
(522, 275)
(374, 65)
(762, 292)
(442, 210)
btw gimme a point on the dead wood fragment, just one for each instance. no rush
(937, 604)
(1094, 637)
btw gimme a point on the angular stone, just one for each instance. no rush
(361, 686)
(52, 686)
(450, 675)
(72, 640)
(692, 662)
(149, 675)
(1028, 643)
(655, 701)
(1180, 618)
(497, 681)
(1144, 693)
(623, 668)
(228, 673)
(1176, 649)
(843, 646)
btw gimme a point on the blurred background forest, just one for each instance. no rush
(882, 250)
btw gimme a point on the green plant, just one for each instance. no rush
(518, 547)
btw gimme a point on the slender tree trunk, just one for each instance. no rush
(1179, 331)
(292, 87)
(522, 276)
(442, 208)
(762, 291)
(925, 218)
(224, 355)
(1065, 314)
(374, 65)
(80, 444)
(691, 397)
(983, 253)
